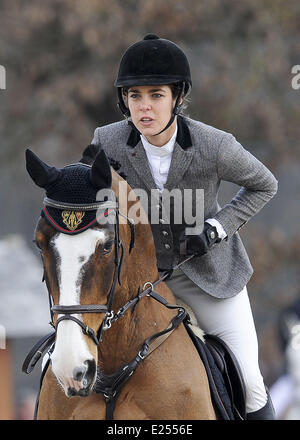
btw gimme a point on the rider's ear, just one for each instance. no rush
(41, 173)
(101, 172)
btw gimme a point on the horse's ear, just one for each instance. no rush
(89, 154)
(41, 173)
(101, 172)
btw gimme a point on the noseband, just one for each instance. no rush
(68, 311)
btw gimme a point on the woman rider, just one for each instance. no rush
(159, 148)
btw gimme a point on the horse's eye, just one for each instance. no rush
(38, 246)
(107, 247)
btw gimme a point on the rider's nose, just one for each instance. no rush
(145, 105)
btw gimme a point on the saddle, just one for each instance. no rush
(224, 375)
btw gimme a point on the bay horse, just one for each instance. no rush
(121, 351)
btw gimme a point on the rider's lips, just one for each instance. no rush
(146, 121)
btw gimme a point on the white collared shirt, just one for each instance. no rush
(159, 159)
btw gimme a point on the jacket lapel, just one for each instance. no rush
(181, 160)
(138, 159)
(182, 155)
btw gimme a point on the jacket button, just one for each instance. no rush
(167, 246)
(165, 233)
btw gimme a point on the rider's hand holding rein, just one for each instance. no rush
(199, 244)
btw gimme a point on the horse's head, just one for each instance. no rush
(81, 258)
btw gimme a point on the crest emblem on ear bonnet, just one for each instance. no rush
(75, 186)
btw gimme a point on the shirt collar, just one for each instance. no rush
(165, 150)
(183, 135)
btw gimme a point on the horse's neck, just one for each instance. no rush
(123, 340)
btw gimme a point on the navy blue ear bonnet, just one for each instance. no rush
(71, 204)
(72, 186)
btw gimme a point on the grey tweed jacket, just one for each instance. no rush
(203, 156)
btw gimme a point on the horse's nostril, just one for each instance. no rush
(91, 370)
(85, 373)
(79, 372)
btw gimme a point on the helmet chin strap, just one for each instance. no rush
(175, 112)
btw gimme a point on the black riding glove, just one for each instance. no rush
(199, 244)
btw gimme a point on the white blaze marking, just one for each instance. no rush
(70, 348)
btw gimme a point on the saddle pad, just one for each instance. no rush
(219, 394)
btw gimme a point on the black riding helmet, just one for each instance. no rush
(154, 61)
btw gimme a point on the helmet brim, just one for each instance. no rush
(149, 80)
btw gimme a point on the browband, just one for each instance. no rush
(79, 207)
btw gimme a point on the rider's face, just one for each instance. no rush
(151, 109)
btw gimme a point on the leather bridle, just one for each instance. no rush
(111, 385)
(68, 311)
(110, 316)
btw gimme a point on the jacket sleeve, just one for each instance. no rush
(258, 185)
(96, 138)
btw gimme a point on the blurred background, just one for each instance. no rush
(61, 58)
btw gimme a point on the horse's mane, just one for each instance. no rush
(90, 153)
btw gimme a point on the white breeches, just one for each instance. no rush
(231, 320)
